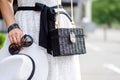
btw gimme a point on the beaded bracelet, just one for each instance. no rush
(13, 26)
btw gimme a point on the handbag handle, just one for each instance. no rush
(57, 23)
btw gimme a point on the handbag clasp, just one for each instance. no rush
(72, 37)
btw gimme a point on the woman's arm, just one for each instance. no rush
(6, 9)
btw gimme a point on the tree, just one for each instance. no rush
(106, 11)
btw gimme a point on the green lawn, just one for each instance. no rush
(114, 25)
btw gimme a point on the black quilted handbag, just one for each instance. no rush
(67, 41)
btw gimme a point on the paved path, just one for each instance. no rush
(102, 61)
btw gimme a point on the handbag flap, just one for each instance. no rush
(65, 32)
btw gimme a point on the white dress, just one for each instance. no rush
(60, 68)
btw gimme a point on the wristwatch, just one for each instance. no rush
(13, 26)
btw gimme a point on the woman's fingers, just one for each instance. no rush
(14, 40)
(18, 38)
(10, 38)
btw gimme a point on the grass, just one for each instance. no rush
(114, 25)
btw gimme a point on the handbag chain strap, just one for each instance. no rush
(57, 23)
(72, 14)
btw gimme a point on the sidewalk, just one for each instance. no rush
(101, 62)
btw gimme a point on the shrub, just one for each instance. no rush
(2, 39)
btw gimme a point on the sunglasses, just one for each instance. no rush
(26, 41)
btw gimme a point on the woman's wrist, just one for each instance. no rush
(13, 26)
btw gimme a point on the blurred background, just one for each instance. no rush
(100, 20)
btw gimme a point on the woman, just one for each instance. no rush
(60, 68)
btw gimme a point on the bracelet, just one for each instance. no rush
(13, 26)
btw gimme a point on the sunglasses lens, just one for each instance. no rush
(27, 40)
(14, 49)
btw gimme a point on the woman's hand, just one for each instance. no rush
(15, 35)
